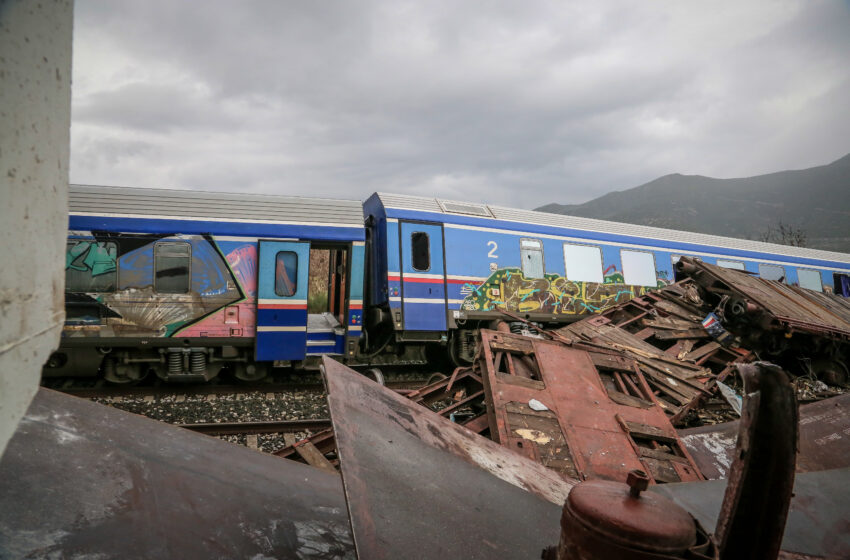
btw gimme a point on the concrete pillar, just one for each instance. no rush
(35, 121)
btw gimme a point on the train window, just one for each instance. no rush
(638, 268)
(172, 266)
(810, 279)
(772, 272)
(583, 263)
(91, 266)
(734, 265)
(842, 284)
(531, 255)
(420, 251)
(675, 258)
(286, 273)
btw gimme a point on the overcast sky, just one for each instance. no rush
(514, 103)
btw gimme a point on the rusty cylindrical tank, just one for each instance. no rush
(604, 520)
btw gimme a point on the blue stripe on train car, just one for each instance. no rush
(164, 225)
(281, 317)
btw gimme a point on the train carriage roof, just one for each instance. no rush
(470, 213)
(158, 203)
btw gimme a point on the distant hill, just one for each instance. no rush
(816, 200)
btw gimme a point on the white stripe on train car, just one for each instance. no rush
(423, 300)
(467, 278)
(281, 329)
(414, 276)
(282, 301)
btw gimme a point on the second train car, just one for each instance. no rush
(186, 284)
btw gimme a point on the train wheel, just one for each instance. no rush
(122, 374)
(249, 372)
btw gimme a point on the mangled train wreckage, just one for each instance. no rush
(593, 449)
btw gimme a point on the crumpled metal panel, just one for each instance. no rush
(581, 431)
(793, 307)
(824, 440)
(817, 521)
(419, 486)
(83, 480)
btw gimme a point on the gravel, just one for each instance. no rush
(252, 406)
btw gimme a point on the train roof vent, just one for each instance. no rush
(465, 208)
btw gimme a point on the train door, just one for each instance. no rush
(282, 300)
(326, 299)
(423, 287)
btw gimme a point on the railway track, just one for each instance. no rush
(250, 428)
(101, 389)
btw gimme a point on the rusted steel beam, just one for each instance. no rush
(755, 507)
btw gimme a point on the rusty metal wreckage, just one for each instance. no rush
(588, 453)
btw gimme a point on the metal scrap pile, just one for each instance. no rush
(605, 395)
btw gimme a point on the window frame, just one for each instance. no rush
(784, 272)
(742, 263)
(538, 249)
(816, 271)
(73, 241)
(413, 251)
(601, 261)
(294, 280)
(675, 257)
(189, 267)
(654, 267)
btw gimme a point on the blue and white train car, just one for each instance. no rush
(184, 283)
(441, 267)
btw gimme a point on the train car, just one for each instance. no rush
(184, 284)
(439, 269)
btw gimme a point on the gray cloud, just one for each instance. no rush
(516, 104)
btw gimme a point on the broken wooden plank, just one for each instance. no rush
(312, 456)
(628, 400)
(646, 431)
(703, 350)
(675, 335)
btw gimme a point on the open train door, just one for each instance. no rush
(282, 281)
(423, 277)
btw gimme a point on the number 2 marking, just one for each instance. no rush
(493, 246)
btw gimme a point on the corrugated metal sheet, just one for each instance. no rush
(213, 205)
(531, 217)
(405, 202)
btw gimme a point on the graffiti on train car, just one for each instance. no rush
(509, 289)
(158, 286)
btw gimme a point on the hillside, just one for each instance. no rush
(817, 200)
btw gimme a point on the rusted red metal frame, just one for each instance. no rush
(567, 400)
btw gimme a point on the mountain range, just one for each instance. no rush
(815, 201)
